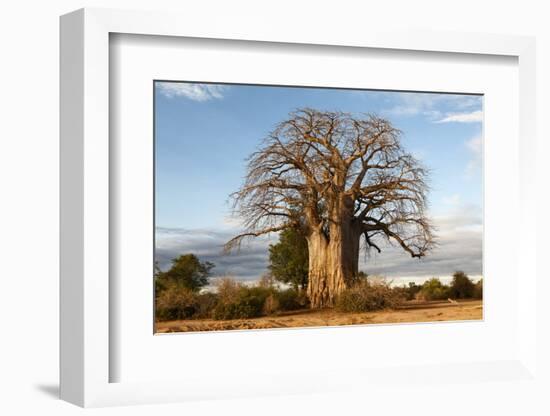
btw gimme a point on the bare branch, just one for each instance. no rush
(318, 170)
(236, 242)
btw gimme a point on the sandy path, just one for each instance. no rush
(410, 312)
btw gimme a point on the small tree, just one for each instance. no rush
(288, 259)
(433, 289)
(478, 289)
(461, 286)
(412, 290)
(187, 271)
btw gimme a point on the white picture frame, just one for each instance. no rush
(86, 356)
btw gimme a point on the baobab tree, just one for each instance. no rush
(345, 182)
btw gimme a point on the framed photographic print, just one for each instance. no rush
(226, 198)
(356, 207)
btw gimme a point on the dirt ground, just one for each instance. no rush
(410, 312)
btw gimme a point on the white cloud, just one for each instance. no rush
(411, 104)
(471, 117)
(195, 92)
(459, 237)
(475, 146)
(248, 263)
(433, 106)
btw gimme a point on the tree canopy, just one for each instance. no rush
(461, 286)
(186, 271)
(340, 179)
(288, 259)
(316, 161)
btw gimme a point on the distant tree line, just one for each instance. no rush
(179, 294)
(460, 287)
(187, 271)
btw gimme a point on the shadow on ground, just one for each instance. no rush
(51, 390)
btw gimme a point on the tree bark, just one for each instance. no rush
(317, 288)
(333, 260)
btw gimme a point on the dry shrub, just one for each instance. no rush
(228, 289)
(368, 296)
(176, 302)
(291, 300)
(232, 300)
(247, 305)
(238, 301)
(206, 303)
(271, 304)
(478, 290)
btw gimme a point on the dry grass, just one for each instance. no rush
(413, 311)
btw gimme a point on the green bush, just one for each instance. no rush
(237, 301)
(289, 258)
(160, 285)
(368, 296)
(248, 304)
(187, 271)
(461, 287)
(259, 291)
(433, 289)
(291, 300)
(478, 290)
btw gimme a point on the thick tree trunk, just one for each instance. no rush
(354, 244)
(333, 261)
(317, 288)
(342, 257)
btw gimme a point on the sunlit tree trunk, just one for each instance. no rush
(318, 290)
(334, 261)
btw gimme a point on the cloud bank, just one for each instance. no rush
(249, 263)
(438, 108)
(195, 92)
(471, 117)
(459, 248)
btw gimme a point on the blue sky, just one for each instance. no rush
(204, 132)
